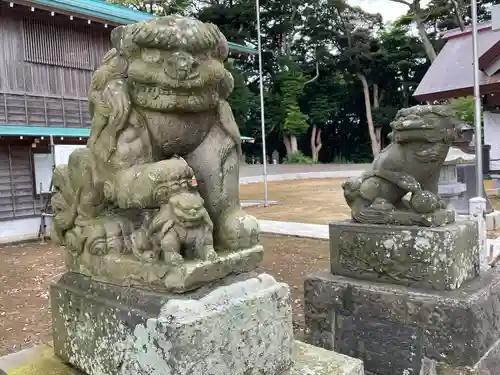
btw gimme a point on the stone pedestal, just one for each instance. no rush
(407, 300)
(241, 326)
(127, 270)
(439, 258)
(401, 330)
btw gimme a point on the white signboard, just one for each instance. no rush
(43, 172)
(492, 137)
(43, 165)
(62, 152)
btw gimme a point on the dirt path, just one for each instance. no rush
(305, 201)
(25, 274)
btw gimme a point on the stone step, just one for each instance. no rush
(310, 360)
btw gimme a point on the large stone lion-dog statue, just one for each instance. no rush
(159, 114)
(421, 138)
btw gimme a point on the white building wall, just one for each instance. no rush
(495, 17)
(492, 137)
(21, 229)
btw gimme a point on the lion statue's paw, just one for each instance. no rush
(238, 231)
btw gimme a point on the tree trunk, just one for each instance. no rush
(315, 143)
(378, 133)
(377, 98)
(429, 48)
(288, 147)
(460, 19)
(369, 118)
(419, 20)
(376, 101)
(293, 144)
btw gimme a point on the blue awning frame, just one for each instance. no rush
(43, 131)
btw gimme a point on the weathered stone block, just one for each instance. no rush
(400, 330)
(242, 328)
(440, 258)
(129, 271)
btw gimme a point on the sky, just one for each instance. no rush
(389, 9)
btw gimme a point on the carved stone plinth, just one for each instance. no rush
(129, 271)
(400, 330)
(439, 258)
(242, 326)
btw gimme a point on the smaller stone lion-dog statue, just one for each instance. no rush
(182, 229)
(402, 186)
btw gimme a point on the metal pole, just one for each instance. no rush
(477, 102)
(53, 152)
(262, 119)
(477, 205)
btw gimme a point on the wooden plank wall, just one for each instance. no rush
(43, 82)
(57, 64)
(36, 110)
(17, 194)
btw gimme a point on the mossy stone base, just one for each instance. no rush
(440, 258)
(126, 270)
(400, 330)
(243, 325)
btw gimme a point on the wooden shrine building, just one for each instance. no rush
(451, 76)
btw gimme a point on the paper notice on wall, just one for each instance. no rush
(492, 138)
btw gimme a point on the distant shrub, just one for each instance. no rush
(298, 158)
(339, 159)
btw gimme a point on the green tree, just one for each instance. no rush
(350, 33)
(157, 7)
(439, 16)
(243, 101)
(418, 15)
(295, 124)
(465, 108)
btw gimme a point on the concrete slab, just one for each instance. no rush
(302, 176)
(253, 203)
(287, 228)
(12, 361)
(39, 360)
(247, 170)
(310, 360)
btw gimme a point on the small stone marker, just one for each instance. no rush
(276, 157)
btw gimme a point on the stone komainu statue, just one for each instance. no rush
(159, 116)
(421, 138)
